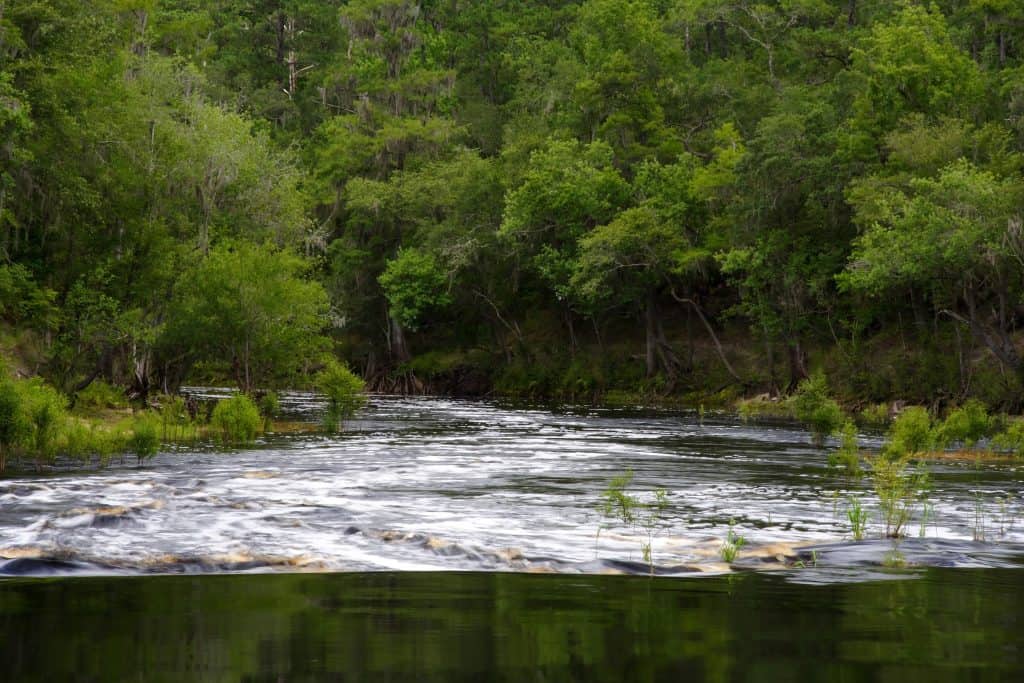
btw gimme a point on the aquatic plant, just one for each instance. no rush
(858, 518)
(732, 544)
(899, 489)
(847, 457)
(344, 392)
(236, 419)
(813, 406)
(144, 439)
(630, 510)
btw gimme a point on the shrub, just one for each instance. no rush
(343, 390)
(875, 415)
(813, 406)
(1011, 439)
(270, 407)
(967, 425)
(15, 423)
(847, 456)
(912, 432)
(899, 489)
(237, 419)
(175, 422)
(99, 395)
(48, 411)
(144, 439)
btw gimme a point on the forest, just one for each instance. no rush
(700, 199)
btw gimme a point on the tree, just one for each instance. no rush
(249, 308)
(958, 236)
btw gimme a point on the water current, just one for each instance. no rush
(433, 484)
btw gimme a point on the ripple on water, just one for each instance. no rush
(440, 484)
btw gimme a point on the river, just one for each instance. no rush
(424, 527)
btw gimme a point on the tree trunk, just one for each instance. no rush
(851, 13)
(397, 346)
(797, 364)
(652, 336)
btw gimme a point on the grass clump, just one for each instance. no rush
(732, 545)
(344, 391)
(236, 420)
(813, 406)
(858, 518)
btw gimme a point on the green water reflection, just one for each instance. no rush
(943, 625)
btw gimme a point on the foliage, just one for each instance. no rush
(144, 441)
(343, 390)
(250, 308)
(847, 456)
(415, 284)
(233, 188)
(732, 544)
(900, 489)
(875, 415)
(630, 510)
(858, 519)
(1011, 438)
(912, 432)
(966, 425)
(813, 406)
(100, 395)
(236, 419)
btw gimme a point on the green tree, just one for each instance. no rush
(249, 308)
(956, 236)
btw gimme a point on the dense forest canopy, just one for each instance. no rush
(534, 196)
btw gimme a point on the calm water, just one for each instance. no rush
(454, 540)
(934, 625)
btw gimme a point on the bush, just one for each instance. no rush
(144, 440)
(875, 415)
(47, 410)
(15, 423)
(1011, 439)
(814, 407)
(912, 432)
(100, 395)
(847, 456)
(344, 393)
(237, 419)
(968, 424)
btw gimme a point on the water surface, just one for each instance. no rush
(433, 484)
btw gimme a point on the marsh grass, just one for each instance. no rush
(858, 517)
(732, 544)
(630, 510)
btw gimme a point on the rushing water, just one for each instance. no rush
(432, 484)
(477, 497)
